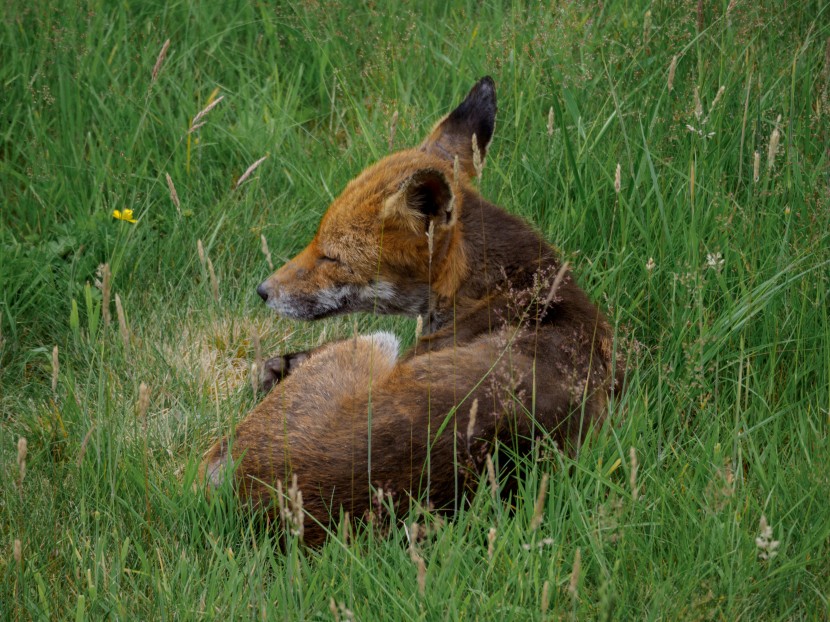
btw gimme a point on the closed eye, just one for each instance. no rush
(328, 259)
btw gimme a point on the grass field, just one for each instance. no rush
(712, 259)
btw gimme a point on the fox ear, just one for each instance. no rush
(473, 120)
(425, 196)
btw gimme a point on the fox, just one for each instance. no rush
(510, 349)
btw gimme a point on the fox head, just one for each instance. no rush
(391, 242)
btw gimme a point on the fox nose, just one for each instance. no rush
(263, 293)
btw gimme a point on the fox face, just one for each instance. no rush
(391, 242)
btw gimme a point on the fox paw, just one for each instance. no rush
(274, 370)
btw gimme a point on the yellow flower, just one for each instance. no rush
(127, 215)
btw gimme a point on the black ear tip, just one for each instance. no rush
(484, 90)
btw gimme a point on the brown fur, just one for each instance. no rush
(494, 332)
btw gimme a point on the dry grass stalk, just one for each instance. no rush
(214, 282)
(17, 551)
(197, 120)
(618, 179)
(55, 371)
(266, 252)
(22, 450)
(632, 476)
(573, 585)
(393, 127)
(122, 324)
(174, 196)
(756, 168)
(491, 475)
(672, 72)
(160, 59)
(539, 507)
(105, 294)
(550, 121)
(471, 424)
(249, 171)
(419, 327)
(491, 542)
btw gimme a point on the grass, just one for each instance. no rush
(716, 282)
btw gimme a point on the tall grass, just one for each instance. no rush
(716, 280)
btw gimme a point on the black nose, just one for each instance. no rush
(263, 293)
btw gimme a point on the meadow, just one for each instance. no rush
(675, 152)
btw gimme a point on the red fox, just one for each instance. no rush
(511, 347)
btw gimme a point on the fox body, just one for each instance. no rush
(511, 347)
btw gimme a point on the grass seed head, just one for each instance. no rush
(55, 370)
(105, 293)
(214, 282)
(698, 105)
(122, 323)
(160, 60)
(618, 179)
(539, 507)
(573, 585)
(774, 140)
(767, 547)
(266, 252)
(143, 401)
(672, 71)
(249, 171)
(254, 378)
(632, 476)
(201, 250)
(491, 542)
(550, 121)
(174, 196)
(17, 551)
(393, 127)
(478, 162)
(22, 450)
(197, 120)
(545, 598)
(471, 424)
(756, 168)
(491, 475)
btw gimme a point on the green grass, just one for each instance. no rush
(728, 400)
